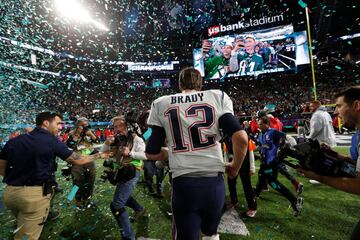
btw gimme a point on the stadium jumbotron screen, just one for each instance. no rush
(252, 53)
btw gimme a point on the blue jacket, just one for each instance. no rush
(355, 141)
(269, 142)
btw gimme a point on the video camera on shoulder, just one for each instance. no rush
(312, 156)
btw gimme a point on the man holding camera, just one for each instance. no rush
(128, 149)
(27, 163)
(348, 108)
(81, 138)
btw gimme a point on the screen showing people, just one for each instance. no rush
(270, 50)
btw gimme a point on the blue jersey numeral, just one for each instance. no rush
(196, 139)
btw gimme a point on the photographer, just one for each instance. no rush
(81, 139)
(348, 108)
(129, 150)
(27, 163)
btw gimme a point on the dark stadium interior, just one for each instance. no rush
(150, 36)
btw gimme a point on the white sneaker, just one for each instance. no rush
(251, 213)
(312, 181)
(213, 237)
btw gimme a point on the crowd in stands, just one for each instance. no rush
(290, 94)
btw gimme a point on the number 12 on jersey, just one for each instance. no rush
(196, 139)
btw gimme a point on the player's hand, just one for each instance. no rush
(238, 45)
(164, 154)
(227, 68)
(231, 170)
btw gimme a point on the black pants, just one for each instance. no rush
(356, 233)
(248, 190)
(269, 173)
(84, 178)
(246, 183)
(150, 170)
(285, 171)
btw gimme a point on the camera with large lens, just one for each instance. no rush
(320, 159)
(109, 168)
(115, 174)
(113, 171)
(120, 140)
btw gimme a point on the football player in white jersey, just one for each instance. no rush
(191, 122)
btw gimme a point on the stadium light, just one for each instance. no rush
(73, 10)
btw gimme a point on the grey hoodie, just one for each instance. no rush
(321, 127)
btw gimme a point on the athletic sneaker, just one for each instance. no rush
(298, 206)
(299, 188)
(251, 213)
(315, 182)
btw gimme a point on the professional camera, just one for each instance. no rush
(120, 140)
(131, 118)
(115, 174)
(113, 171)
(109, 168)
(317, 158)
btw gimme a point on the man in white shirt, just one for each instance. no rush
(348, 108)
(321, 126)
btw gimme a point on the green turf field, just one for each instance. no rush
(327, 214)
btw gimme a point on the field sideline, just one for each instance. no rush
(327, 214)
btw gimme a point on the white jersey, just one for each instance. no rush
(191, 123)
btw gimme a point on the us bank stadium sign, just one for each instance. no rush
(244, 24)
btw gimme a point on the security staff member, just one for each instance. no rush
(27, 163)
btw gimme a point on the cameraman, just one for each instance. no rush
(348, 108)
(129, 151)
(81, 139)
(27, 163)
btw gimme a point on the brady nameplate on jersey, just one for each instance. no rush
(187, 99)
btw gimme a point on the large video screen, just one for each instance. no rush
(252, 53)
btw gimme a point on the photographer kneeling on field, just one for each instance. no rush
(124, 172)
(348, 108)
